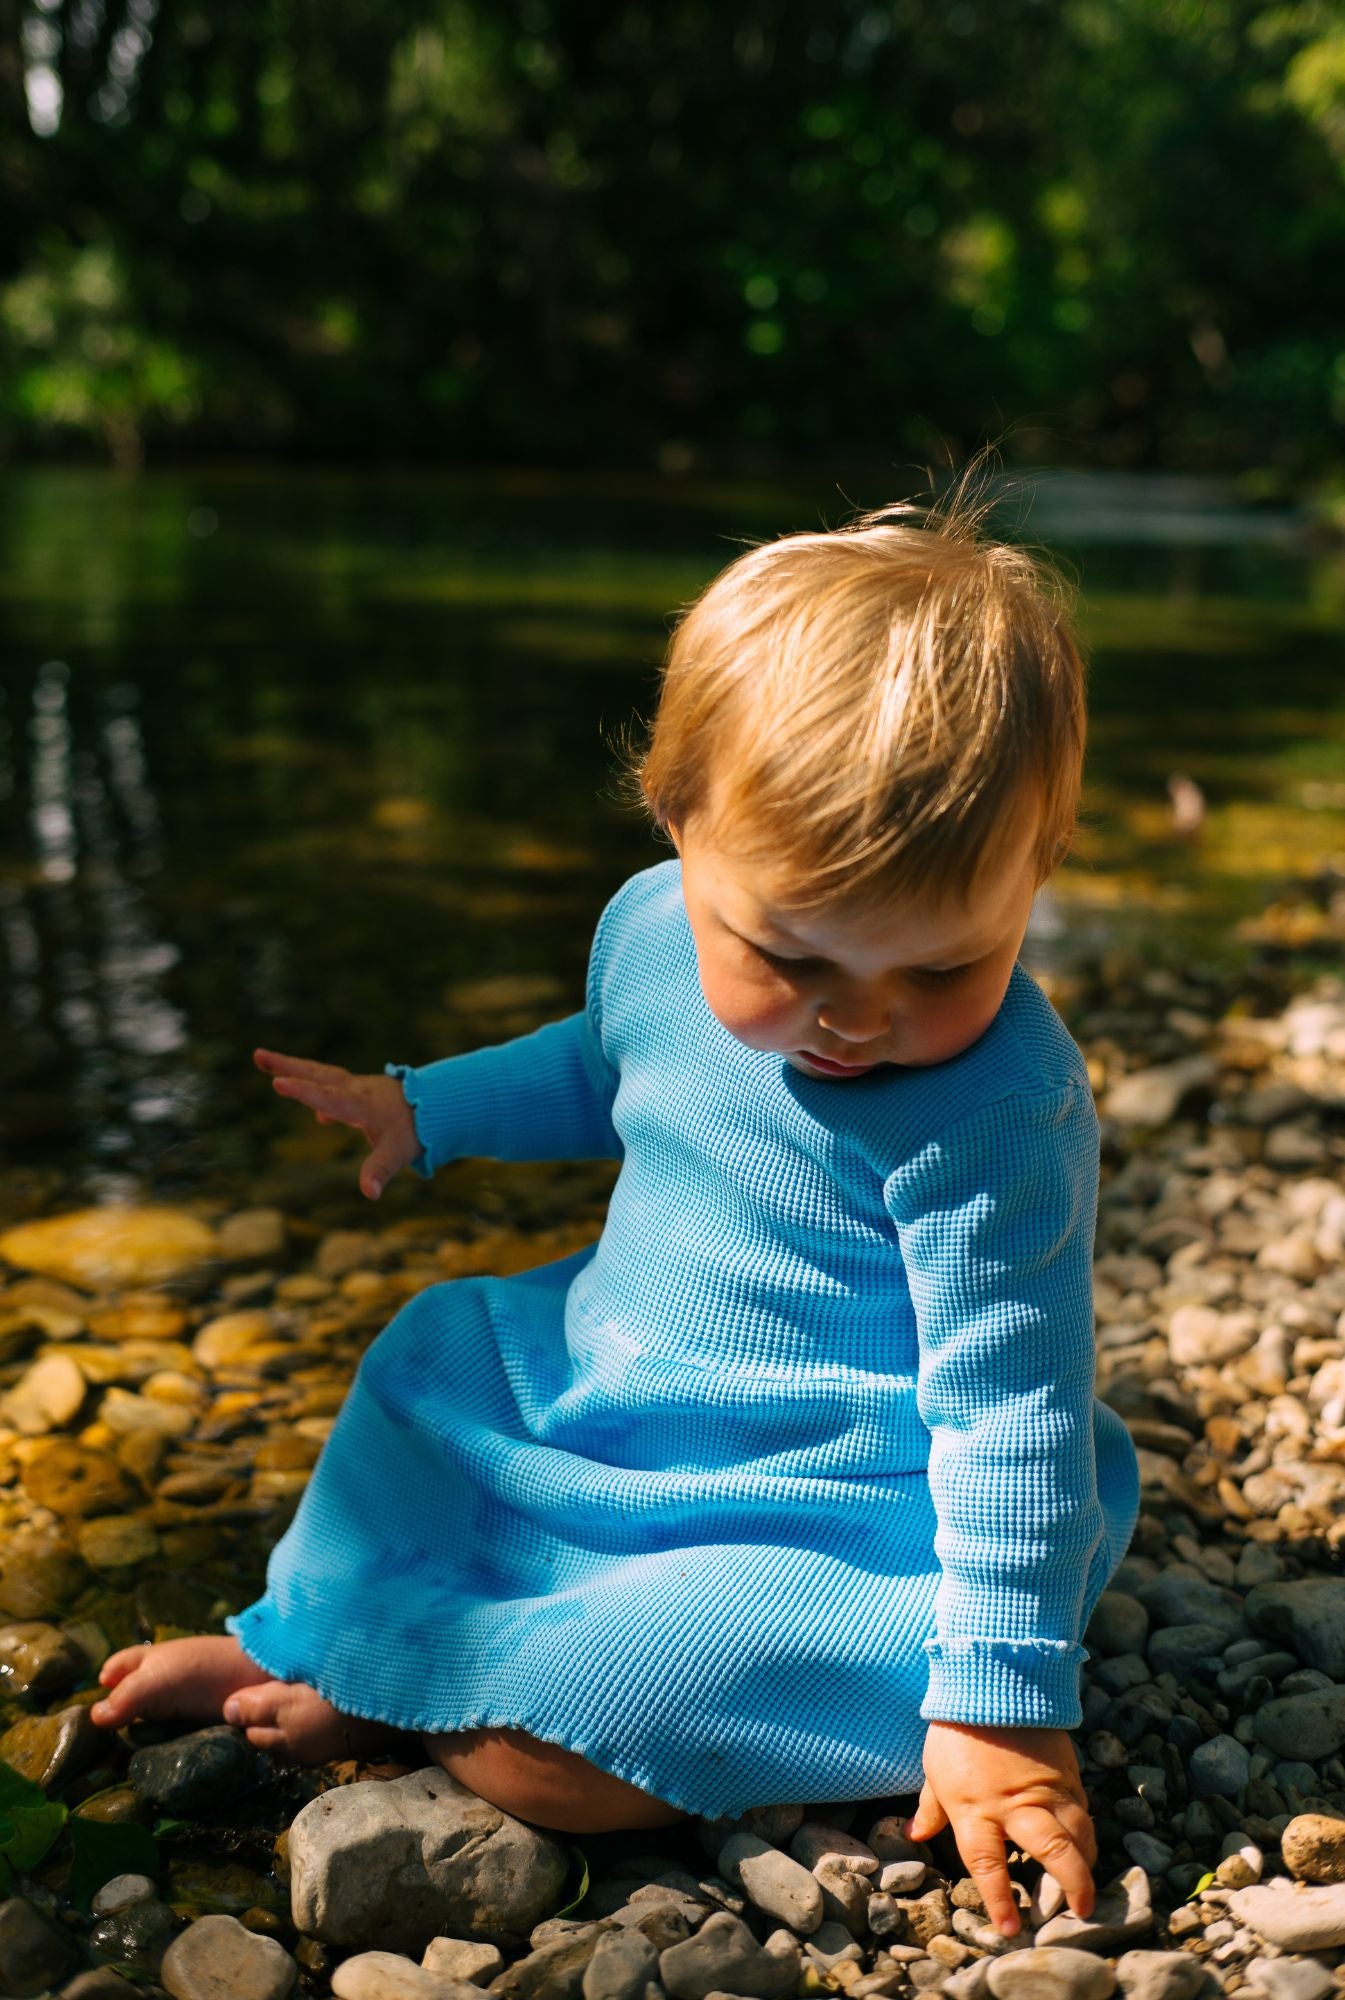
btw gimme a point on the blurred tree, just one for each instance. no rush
(566, 229)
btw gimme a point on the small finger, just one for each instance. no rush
(1039, 1832)
(274, 1064)
(928, 1818)
(982, 1849)
(1078, 1824)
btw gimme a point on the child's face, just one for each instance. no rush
(837, 993)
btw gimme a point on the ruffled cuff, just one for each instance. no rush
(411, 1092)
(1005, 1683)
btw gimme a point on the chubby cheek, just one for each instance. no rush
(762, 1014)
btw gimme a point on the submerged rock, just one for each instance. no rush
(34, 1952)
(113, 1246)
(199, 1773)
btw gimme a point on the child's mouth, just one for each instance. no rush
(830, 1068)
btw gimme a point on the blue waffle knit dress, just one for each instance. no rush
(803, 1453)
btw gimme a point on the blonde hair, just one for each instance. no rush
(871, 708)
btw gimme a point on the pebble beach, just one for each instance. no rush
(168, 1375)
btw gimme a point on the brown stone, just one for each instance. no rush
(49, 1749)
(74, 1482)
(39, 1572)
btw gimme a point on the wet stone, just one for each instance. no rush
(198, 1774)
(48, 1396)
(117, 1542)
(137, 1935)
(38, 1661)
(34, 1953)
(72, 1481)
(120, 1893)
(111, 1246)
(51, 1749)
(217, 1959)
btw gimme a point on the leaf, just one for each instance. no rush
(105, 1848)
(164, 1829)
(28, 1832)
(16, 1790)
(1201, 1886)
(581, 1859)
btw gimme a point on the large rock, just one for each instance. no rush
(1160, 1975)
(1309, 1613)
(394, 1865)
(109, 1248)
(1292, 1916)
(1310, 1726)
(1313, 1846)
(216, 1959)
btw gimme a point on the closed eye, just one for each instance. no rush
(941, 974)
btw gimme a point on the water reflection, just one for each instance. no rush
(327, 766)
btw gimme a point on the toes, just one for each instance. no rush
(267, 1739)
(255, 1707)
(116, 1667)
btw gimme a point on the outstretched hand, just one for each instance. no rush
(1021, 1785)
(373, 1105)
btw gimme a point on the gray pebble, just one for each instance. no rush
(1153, 1856)
(1159, 1975)
(775, 1882)
(1119, 1624)
(120, 1892)
(902, 1878)
(1219, 1768)
(725, 1956)
(621, 1967)
(1303, 1726)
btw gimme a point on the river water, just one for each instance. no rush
(326, 763)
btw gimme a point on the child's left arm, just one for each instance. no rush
(995, 1219)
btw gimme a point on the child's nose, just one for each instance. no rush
(856, 1017)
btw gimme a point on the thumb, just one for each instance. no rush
(928, 1818)
(382, 1163)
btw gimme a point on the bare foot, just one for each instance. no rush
(209, 1679)
(292, 1720)
(182, 1680)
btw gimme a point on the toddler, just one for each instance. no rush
(793, 1486)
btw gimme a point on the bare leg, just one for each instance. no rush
(208, 1679)
(546, 1785)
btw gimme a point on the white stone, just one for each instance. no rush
(814, 1842)
(463, 1958)
(1051, 1975)
(217, 1959)
(1291, 1915)
(384, 1975)
(1160, 1975)
(120, 1893)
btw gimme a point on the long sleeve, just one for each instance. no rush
(543, 1096)
(995, 1220)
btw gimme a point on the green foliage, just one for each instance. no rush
(103, 1849)
(579, 1862)
(31, 1824)
(446, 227)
